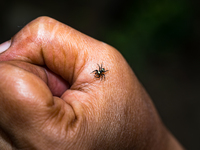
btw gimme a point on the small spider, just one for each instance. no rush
(100, 73)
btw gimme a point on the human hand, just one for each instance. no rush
(49, 99)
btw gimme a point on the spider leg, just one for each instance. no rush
(103, 76)
(99, 67)
(94, 71)
(100, 77)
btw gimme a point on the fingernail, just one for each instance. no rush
(4, 46)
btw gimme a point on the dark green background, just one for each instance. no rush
(159, 39)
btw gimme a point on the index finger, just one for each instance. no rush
(48, 42)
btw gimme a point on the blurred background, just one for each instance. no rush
(159, 39)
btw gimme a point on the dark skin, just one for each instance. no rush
(50, 100)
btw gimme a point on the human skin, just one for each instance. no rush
(49, 99)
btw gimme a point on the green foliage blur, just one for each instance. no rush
(151, 30)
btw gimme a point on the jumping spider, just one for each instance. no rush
(100, 73)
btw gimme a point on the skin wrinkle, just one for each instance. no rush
(28, 30)
(79, 117)
(60, 134)
(41, 32)
(77, 56)
(61, 40)
(80, 68)
(54, 31)
(64, 60)
(63, 52)
(73, 72)
(54, 51)
(77, 133)
(52, 36)
(41, 37)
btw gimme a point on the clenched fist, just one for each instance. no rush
(63, 90)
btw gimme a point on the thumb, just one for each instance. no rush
(28, 109)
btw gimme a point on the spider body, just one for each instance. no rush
(100, 73)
